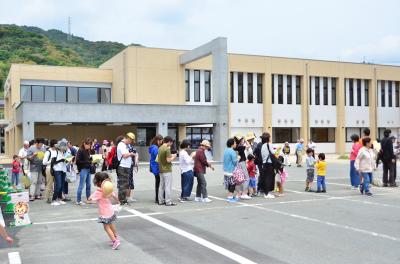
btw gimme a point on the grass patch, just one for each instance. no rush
(343, 157)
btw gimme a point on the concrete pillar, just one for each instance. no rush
(373, 126)
(267, 98)
(181, 132)
(340, 133)
(28, 130)
(162, 129)
(305, 105)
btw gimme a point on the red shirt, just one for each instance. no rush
(354, 150)
(16, 166)
(251, 168)
(200, 161)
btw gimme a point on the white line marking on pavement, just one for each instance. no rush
(14, 258)
(306, 218)
(227, 253)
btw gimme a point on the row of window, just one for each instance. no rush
(286, 84)
(292, 134)
(246, 84)
(193, 84)
(64, 94)
(357, 92)
(386, 91)
(322, 91)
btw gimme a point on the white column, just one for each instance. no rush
(276, 88)
(347, 93)
(321, 90)
(284, 84)
(362, 92)
(293, 89)
(245, 84)
(379, 94)
(202, 87)
(191, 85)
(393, 93)
(329, 91)
(235, 87)
(355, 92)
(386, 93)
(312, 90)
(254, 88)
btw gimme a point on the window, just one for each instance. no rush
(61, 94)
(280, 89)
(390, 93)
(325, 88)
(383, 93)
(273, 88)
(88, 95)
(289, 89)
(323, 134)
(366, 93)
(298, 90)
(72, 94)
(105, 96)
(187, 85)
(207, 85)
(232, 91)
(197, 86)
(240, 87)
(49, 94)
(397, 94)
(26, 93)
(317, 91)
(358, 92)
(351, 92)
(144, 135)
(351, 131)
(259, 88)
(37, 93)
(250, 88)
(197, 134)
(334, 91)
(283, 134)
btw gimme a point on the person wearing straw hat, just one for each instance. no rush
(125, 166)
(250, 139)
(200, 164)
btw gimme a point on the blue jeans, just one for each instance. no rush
(84, 178)
(15, 178)
(187, 184)
(59, 179)
(354, 175)
(367, 179)
(321, 183)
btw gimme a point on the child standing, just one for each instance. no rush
(106, 211)
(282, 175)
(310, 162)
(251, 169)
(321, 173)
(16, 169)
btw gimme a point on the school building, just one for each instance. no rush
(204, 93)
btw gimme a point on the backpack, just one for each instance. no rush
(276, 163)
(112, 158)
(238, 175)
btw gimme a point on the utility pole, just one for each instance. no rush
(69, 37)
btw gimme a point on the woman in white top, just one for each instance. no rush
(268, 174)
(365, 164)
(60, 169)
(186, 163)
(48, 155)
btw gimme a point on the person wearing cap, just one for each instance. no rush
(60, 169)
(22, 155)
(200, 164)
(165, 158)
(125, 166)
(389, 160)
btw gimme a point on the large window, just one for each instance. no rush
(197, 86)
(49, 93)
(88, 95)
(26, 93)
(61, 94)
(273, 89)
(298, 90)
(250, 88)
(358, 92)
(351, 92)
(351, 131)
(285, 134)
(187, 85)
(325, 89)
(232, 90)
(259, 88)
(197, 134)
(207, 85)
(317, 97)
(240, 87)
(366, 92)
(145, 135)
(323, 134)
(72, 94)
(383, 93)
(289, 89)
(105, 96)
(390, 93)
(397, 94)
(334, 91)
(280, 89)
(37, 93)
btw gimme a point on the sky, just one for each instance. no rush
(344, 30)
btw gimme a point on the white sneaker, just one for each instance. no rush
(206, 200)
(55, 203)
(245, 197)
(131, 200)
(198, 199)
(269, 196)
(61, 202)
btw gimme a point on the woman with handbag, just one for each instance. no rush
(230, 162)
(268, 172)
(84, 162)
(241, 150)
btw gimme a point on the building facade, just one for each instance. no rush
(204, 93)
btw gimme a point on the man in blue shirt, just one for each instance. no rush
(299, 152)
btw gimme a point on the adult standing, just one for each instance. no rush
(311, 145)
(135, 163)
(299, 152)
(105, 148)
(156, 142)
(125, 166)
(241, 147)
(165, 158)
(186, 163)
(250, 140)
(259, 162)
(22, 154)
(35, 155)
(60, 169)
(71, 151)
(50, 153)
(268, 173)
(354, 175)
(83, 162)
(365, 164)
(200, 164)
(230, 161)
(388, 159)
